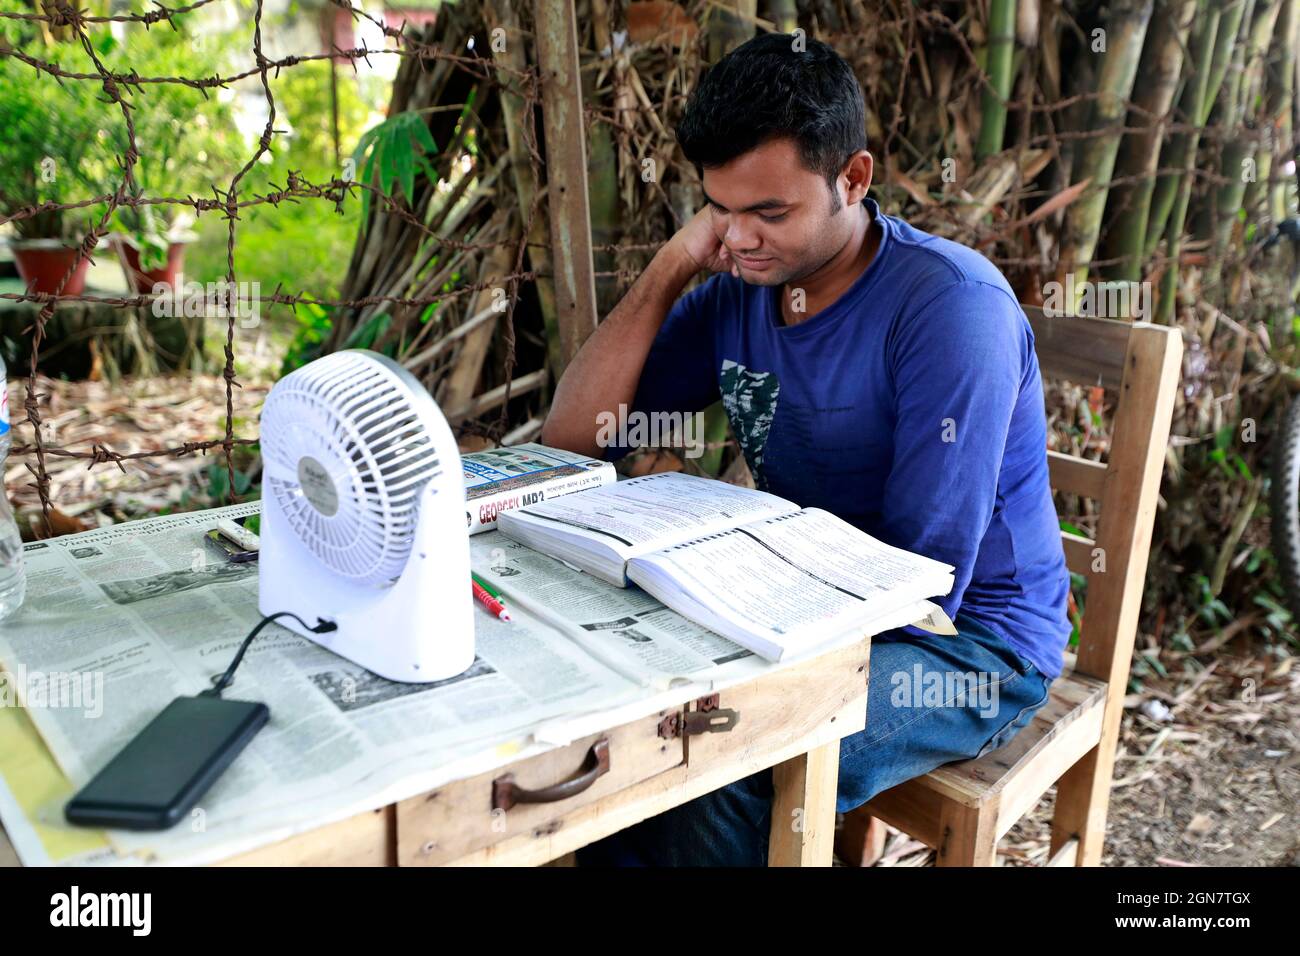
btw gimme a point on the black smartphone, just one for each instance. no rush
(161, 774)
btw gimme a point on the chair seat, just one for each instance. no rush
(1010, 780)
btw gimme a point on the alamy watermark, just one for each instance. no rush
(1101, 300)
(75, 908)
(195, 300)
(65, 690)
(921, 688)
(635, 429)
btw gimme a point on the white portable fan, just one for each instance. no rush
(363, 517)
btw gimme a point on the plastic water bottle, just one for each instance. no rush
(13, 579)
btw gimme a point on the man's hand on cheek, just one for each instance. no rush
(698, 240)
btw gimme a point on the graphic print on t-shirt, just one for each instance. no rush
(750, 401)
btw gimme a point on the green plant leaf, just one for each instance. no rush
(1154, 663)
(405, 161)
(365, 335)
(388, 167)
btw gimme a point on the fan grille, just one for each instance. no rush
(347, 452)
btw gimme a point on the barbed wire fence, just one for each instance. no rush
(642, 121)
(229, 203)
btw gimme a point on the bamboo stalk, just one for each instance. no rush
(526, 432)
(1126, 29)
(1075, 83)
(1271, 83)
(513, 113)
(1162, 63)
(1220, 217)
(1028, 15)
(1212, 44)
(494, 397)
(730, 24)
(1196, 107)
(563, 125)
(785, 14)
(1001, 47)
(468, 367)
(388, 246)
(423, 358)
(1282, 70)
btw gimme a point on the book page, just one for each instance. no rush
(840, 555)
(655, 511)
(733, 575)
(802, 571)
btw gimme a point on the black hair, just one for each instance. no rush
(777, 85)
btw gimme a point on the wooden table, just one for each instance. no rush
(791, 718)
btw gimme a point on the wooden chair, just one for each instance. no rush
(963, 809)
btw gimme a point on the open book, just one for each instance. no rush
(753, 567)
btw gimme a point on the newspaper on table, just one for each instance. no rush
(120, 621)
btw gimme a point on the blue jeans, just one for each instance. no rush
(931, 700)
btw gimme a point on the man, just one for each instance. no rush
(868, 368)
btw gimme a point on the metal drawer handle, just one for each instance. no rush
(506, 793)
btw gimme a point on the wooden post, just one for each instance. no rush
(566, 175)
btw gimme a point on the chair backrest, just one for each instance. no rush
(1137, 363)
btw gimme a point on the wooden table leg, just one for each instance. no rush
(803, 808)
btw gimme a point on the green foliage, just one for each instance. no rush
(218, 479)
(59, 140)
(1226, 456)
(314, 323)
(365, 334)
(187, 139)
(1144, 664)
(64, 140)
(1211, 610)
(391, 152)
(215, 489)
(300, 246)
(1278, 620)
(1079, 588)
(312, 329)
(303, 95)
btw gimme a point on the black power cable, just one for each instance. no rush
(322, 627)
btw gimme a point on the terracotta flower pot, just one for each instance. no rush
(143, 280)
(42, 264)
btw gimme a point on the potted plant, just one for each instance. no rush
(56, 144)
(186, 141)
(151, 247)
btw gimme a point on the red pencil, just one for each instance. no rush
(488, 601)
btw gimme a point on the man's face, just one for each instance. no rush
(774, 214)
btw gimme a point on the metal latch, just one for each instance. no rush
(706, 718)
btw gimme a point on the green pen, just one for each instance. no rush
(487, 587)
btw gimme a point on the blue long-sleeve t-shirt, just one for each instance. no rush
(911, 407)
